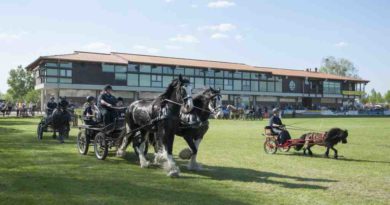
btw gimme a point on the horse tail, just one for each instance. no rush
(300, 146)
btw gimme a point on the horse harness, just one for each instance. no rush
(316, 138)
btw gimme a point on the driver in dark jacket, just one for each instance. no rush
(277, 126)
(51, 106)
(106, 103)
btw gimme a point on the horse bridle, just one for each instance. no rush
(213, 110)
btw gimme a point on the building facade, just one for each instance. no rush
(134, 77)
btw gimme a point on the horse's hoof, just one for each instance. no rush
(194, 167)
(336, 157)
(327, 156)
(173, 173)
(120, 153)
(145, 165)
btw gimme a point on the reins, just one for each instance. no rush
(180, 104)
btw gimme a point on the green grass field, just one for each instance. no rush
(236, 169)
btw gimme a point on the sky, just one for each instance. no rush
(295, 34)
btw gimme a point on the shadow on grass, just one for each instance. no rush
(341, 158)
(99, 190)
(250, 175)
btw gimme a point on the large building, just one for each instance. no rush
(136, 76)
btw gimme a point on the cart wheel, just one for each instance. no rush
(284, 149)
(100, 146)
(270, 147)
(40, 131)
(82, 142)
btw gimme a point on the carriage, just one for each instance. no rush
(46, 125)
(101, 137)
(271, 144)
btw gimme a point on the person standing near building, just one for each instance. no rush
(106, 104)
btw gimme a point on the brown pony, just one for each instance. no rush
(328, 139)
(235, 113)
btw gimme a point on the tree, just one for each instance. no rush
(364, 98)
(32, 96)
(20, 82)
(373, 97)
(341, 67)
(387, 96)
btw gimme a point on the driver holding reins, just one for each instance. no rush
(278, 128)
(106, 103)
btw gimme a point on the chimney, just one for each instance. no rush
(316, 70)
(307, 69)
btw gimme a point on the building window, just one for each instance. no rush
(189, 72)
(133, 67)
(156, 81)
(227, 74)
(66, 73)
(167, 80)
(120, 76)
(255, 76)
(219, 83)
(218, 73)
(157, 69)
(200, 72)
(108, 68)
(263, 86)
(210, 82)
(237, 74)
(278, 85)
(331, 87)
(50, 64)
(65, 65)
(66, 80)
(132, 79)
(227, 84)
(246, 85)
(199, 82)
(53, 72)
(120, 69)
(145, 68)
(179, 71)
(255, 86)
(246, 75)
(271, 84)
(144, 80)
(167, 70)
(52, 80)
(237, 84)
(210, 73)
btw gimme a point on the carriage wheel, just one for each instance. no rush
(284, 149)
(40, 131)
(100, 146)
(82, 142)
(270, 146)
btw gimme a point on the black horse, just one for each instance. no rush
(161, 116)
(194, 125)
(58, 120)
(328, 139)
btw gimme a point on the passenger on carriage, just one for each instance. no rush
(106, 103)
(278, 128)
(51, 106)
(120, 103)
(90, 110)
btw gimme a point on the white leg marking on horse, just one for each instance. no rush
(141, 153)
(193, 164)
(170, 166)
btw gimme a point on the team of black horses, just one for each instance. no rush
(157, 121)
